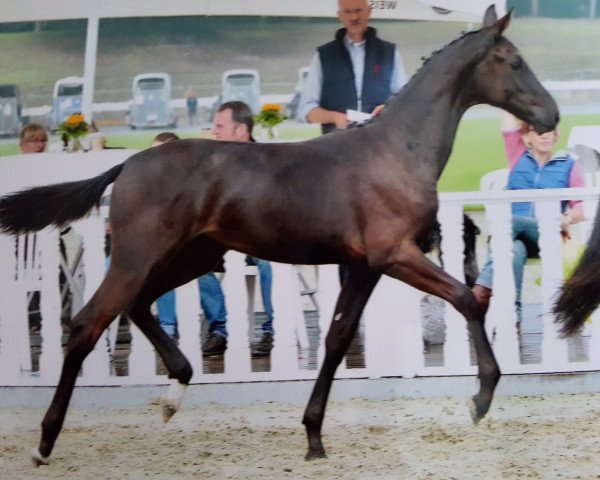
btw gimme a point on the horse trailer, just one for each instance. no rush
(10, 109)
(242, 85)
(67, 99)
(151, 104)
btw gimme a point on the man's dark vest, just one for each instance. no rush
(339, 91)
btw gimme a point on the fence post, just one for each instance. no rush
(13, 316)
(187, 306)
(554, 349)
(237, 357)
(456, 348)
(50, 305)
(97, 365)
(289, 318)
(328, 291)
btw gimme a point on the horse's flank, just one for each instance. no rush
(311, 200)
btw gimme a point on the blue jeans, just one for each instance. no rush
(266, 280)
(525, 237)
(211, 299)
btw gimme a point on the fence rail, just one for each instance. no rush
(391, 326)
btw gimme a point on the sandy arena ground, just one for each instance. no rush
(551, 437)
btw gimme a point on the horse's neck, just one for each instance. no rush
(427, 127)
(428, 109)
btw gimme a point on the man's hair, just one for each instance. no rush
(165, 137)
(240, 112)
(33, 131)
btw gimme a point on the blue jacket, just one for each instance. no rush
(527, 174)
(338, 91)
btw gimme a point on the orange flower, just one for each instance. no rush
(271, 106)
(75, 119)
(270, 115)
(74, 126)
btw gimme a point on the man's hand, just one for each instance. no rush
(321, 115)
(340, 120)
(377, 110)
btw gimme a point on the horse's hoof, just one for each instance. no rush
(38, 459)
(171, 402)
(477, 410)
(167, 409)
(313, 455)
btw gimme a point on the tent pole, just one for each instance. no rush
(89, 74)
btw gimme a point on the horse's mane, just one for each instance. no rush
(432, 56)
(424, 66)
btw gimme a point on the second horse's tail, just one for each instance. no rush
(33, 209)
(580, 294)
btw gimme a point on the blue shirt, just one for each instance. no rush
(528, 174)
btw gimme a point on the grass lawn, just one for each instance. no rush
(478, 149)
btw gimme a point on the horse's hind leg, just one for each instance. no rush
(115, 292)
(412, 267)
(358, 285)
(128, 272)
(196, 258)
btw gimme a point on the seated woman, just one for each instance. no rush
(532, 165)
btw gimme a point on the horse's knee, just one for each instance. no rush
(182, 371)
(467, 305)
(81, 341)
(312, 419)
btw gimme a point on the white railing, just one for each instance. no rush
(393, 341)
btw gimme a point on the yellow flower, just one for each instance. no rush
(270, 115)
(74, 126)
(271, 106)
(75, 119)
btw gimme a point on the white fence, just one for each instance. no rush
(393, 342)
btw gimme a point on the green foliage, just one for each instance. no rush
(270, 115)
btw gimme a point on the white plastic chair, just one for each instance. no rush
(494, 181)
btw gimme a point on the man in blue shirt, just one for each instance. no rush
(356, 71)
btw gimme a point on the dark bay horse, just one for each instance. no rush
(365, 198)
(580, 295)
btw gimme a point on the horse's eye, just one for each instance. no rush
(516, 63)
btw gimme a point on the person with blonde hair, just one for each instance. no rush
(33, 138)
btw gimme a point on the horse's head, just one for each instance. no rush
(503, 79)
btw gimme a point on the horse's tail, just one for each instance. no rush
(580, 294)
(33, 209)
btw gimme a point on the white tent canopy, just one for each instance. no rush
(33, 10)
(93, 10)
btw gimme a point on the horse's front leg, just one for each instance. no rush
(412, 267)
(357, 288)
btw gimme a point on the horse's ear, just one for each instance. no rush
(504, 22)
(490, 17)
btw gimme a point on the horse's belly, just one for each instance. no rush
(284, 251)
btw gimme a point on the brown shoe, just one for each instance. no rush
(482, 296)
(264, 347)
(214, 345)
